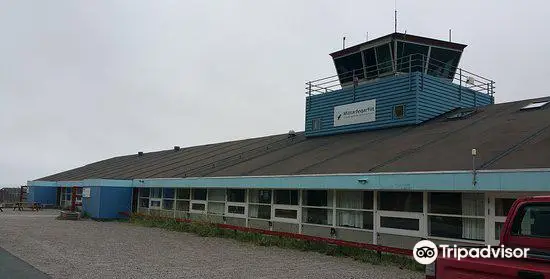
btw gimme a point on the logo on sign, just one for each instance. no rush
(354, 113)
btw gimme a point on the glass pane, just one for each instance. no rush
(260, 196)
(316, 198)
(369, 59)
(384, 58)
(198, 206)
(168, 204)
(168, 193)
(259, 211)
(155, 203)
(199, 194)
(236, 195)
(401, 201)
(471, 204)
(348, 65)
(498, 228)
(317, 216)
(354, 219)
(235, 209)
(457, 227)
(182, 205)
(400, 223)
(144, 192)
(533, 221)
(502, 206)
(156, 193)
(289, 197)
(286, 213)
(411, 55)
(216, 194)
(144, 203)
(354, 199)
(182, 194)
(216, 208)
(443, 62)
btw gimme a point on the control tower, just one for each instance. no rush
(394, 80)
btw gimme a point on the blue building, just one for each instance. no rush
(401, 144)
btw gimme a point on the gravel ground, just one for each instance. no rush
(89, 249)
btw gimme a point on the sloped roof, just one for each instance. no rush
(505, 136)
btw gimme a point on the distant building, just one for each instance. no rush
(400, 145)
(9, 195)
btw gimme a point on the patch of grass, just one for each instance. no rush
(206, 228)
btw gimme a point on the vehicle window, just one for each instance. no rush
(533, 221)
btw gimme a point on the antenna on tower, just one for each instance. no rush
(395, 17)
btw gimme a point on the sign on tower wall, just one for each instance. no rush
(355, 113)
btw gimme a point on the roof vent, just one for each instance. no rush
(535, 105)
(291, 134)
(176, 148)
(140, 153)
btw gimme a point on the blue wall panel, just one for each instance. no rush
(115, 200)
(437, 96)
(43, 195)
(424, 97)
(389, 92)
(91, 205)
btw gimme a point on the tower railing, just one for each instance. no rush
(404, 65)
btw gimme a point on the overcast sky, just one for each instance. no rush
(82, 81)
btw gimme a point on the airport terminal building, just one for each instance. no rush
(399, 145)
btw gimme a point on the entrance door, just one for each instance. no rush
(499, 205)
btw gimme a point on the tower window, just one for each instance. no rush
(399, 111)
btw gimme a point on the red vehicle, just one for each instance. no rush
(527, 226)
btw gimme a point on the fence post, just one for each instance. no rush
(309, 96)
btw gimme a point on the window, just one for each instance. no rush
(216, 195)
(502, 206)
(199, 194)
(259, 211)
(320, 216)
(144, 202)
(469, 204)
(155, 204)
(286, 213)
(498, 228)
(144, 192)
(457, 227)
(401, 201)
(289, 197)
(182, 205)
(384, 58)
(411, 56)
(260, 196)
(156, 193)
(354, 199)
(399, 111)
(316, 198)
(443, 62)
(236, 195)
(355, 219)
(182, 194)
(216, 208)
(535, 105)
(316, 124)
(198, 206)
(347, 65)
(232, 209)
(400, 223)
(168, 204)
(168, 193)
(533, 220)
(369, 60)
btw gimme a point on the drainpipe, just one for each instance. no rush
(474, 172)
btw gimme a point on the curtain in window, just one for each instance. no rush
(473, 205)
(349, 199)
